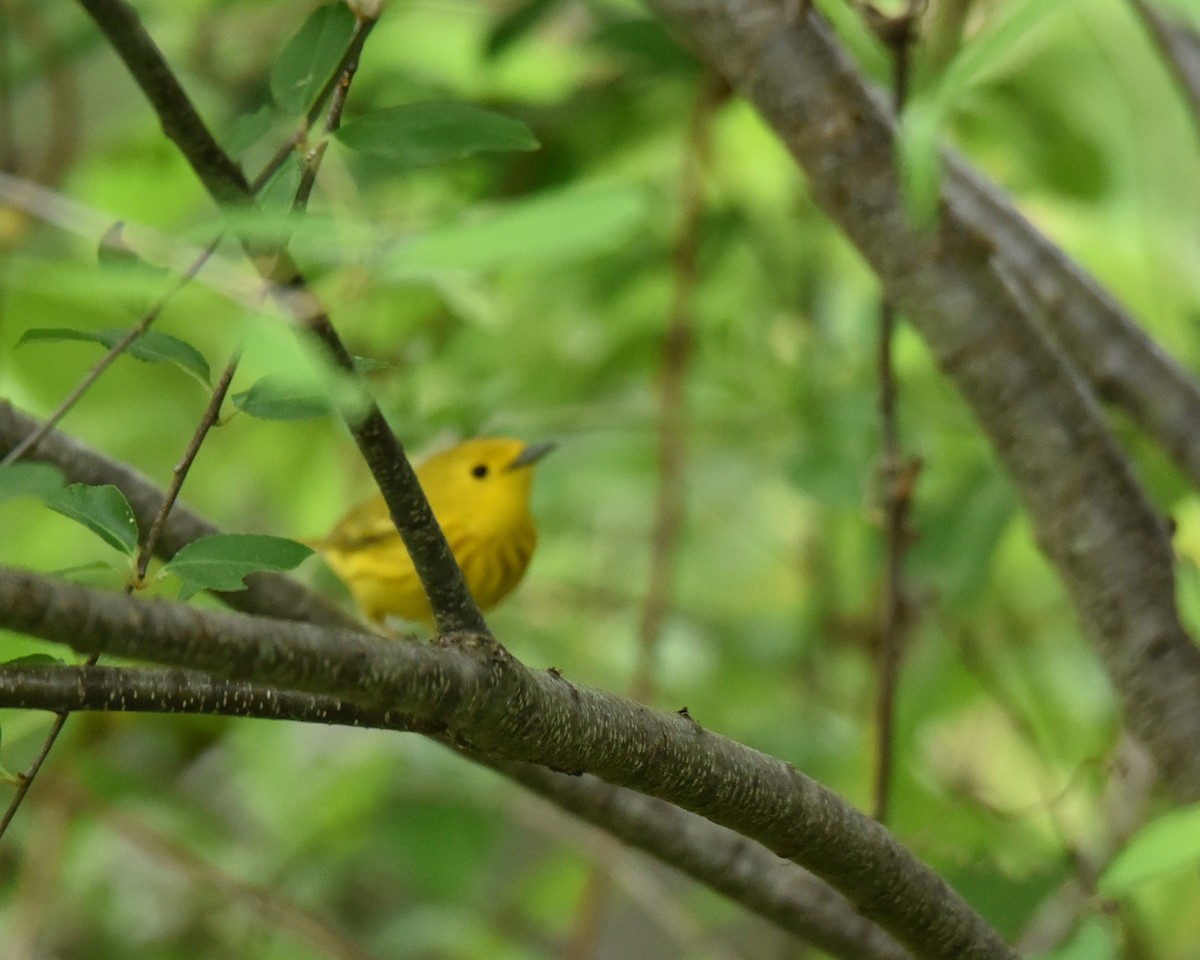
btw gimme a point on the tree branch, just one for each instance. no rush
(744, 871)
(1122, 363)
(454, 608)
(278, 596)
(489, 703)
(1090, 515)
(1180, 47)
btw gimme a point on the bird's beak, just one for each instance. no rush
(531, 455)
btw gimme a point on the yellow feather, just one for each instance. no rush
(479, 491)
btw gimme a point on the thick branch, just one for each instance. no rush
(1180, 46)
(745, 871)
(488, 702)
(1124, 365)
(1090, 515)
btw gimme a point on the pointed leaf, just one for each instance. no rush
(310, 57)
(514, 26)
(103, 510)
(926, 114)
(246, 130)
(1167, 843)
(645, 42)
(1096, 939)
(423, 134)
(149, 347)
(40, 480)
(220, 562)
(557, 226)
(276, 397)
(34, 660)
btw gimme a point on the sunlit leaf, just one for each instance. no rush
(220, 562)
(423, 134)
(552, 227)
(103, 510)
(1094, 940)
(517, 24)
(275, 397)
(1168, 843)
(150, 346)
(310, 57)
(926, 112)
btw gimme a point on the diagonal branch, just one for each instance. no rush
(491, 704)
(1121, 362)
(1090, 515)
(746, 872)
(454, 608)
(1180, 45)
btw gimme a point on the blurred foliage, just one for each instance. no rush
(526, 293)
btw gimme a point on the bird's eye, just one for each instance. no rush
(479, 470)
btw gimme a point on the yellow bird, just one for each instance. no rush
(479, 491)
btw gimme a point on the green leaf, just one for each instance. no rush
(513, 27)
(34, 660)
(246, 130)
(552, 227)
(310, 57)
(220, 562)
(277, 199)
(149, 347)
(1166, 844)
(103, 510)
(1094, 940)
(40, 480)
(926, 113)
(851, 27)
(921, 159)
(646, 43)
(423, 134)
(277, 397)
(365, 365)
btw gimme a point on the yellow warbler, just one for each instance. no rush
(479, 491)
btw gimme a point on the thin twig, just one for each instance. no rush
(209, 417)
(107, 360)
(25, 780)
(211, 414)
(362, 27)
(267, 594)
(9, 156)
(675, 355)
(897, 480)
(304, 923)
(337, 103)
